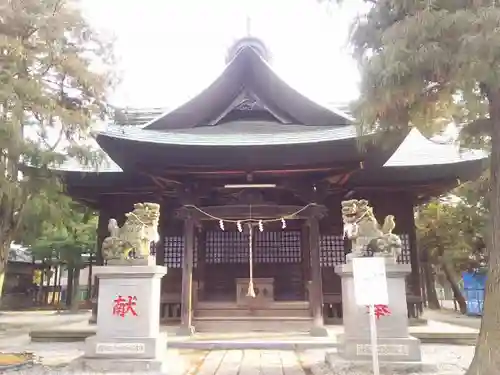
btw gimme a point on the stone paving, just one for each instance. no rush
(55, 358)
(18, 319)
(18, 322)
(250, 362)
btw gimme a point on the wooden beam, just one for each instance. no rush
(160, 181)
(100, 190)
(217, 172)
(240, 212)
(437, 186)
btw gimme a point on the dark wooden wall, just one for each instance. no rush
(214, 279)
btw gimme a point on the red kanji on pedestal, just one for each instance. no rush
(122, 306)
(380, 310)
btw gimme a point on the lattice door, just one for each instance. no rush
(277, 247)
(174, 251)
(226, 247)
(405, 257)
(278, 255)
(332, 250)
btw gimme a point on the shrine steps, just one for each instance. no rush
(252, 324)
(231, 309)
(292, 316)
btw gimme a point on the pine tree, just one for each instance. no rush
(425, 63)
(54, 76)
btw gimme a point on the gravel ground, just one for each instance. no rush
(450, 360)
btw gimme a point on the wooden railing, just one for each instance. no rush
(170, 304)
(332, 308)
(170, 307)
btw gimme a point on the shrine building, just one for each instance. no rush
(251, 147)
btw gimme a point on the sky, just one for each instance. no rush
(170, 50)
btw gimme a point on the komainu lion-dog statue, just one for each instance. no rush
(368, 237)
(133, 239)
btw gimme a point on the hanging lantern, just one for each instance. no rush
(221, 224)
(283, 223)
(238, 225)
(261, 226)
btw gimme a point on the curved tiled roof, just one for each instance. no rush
(239, 133)
(249, 72)
(417, 150)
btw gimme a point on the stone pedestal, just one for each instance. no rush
(128, 337)
(394, 342)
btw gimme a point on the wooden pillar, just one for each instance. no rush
(416, 279)
(201, 261)
(187, 328)
(102, 233)
(306, 260)
(316, 289)
(160, 245)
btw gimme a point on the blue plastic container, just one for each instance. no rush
(474, 285)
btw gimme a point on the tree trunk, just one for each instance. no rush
(4, 255)
(39, 297)
(487, 355)
(423, 283)
(3, 270)
(430, 287)
(54, 290)
(69, 286)
(89, 280)
(59, 281)
(75, 299)
(457, 293)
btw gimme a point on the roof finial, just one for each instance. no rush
(249, 25)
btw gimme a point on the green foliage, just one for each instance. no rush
(427, 63)
(58, 230)
(67, 246)
(453, 231)
(54, 77)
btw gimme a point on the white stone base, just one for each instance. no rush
(341, 366)
(128, 337)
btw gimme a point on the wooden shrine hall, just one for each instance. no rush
(251, 147)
